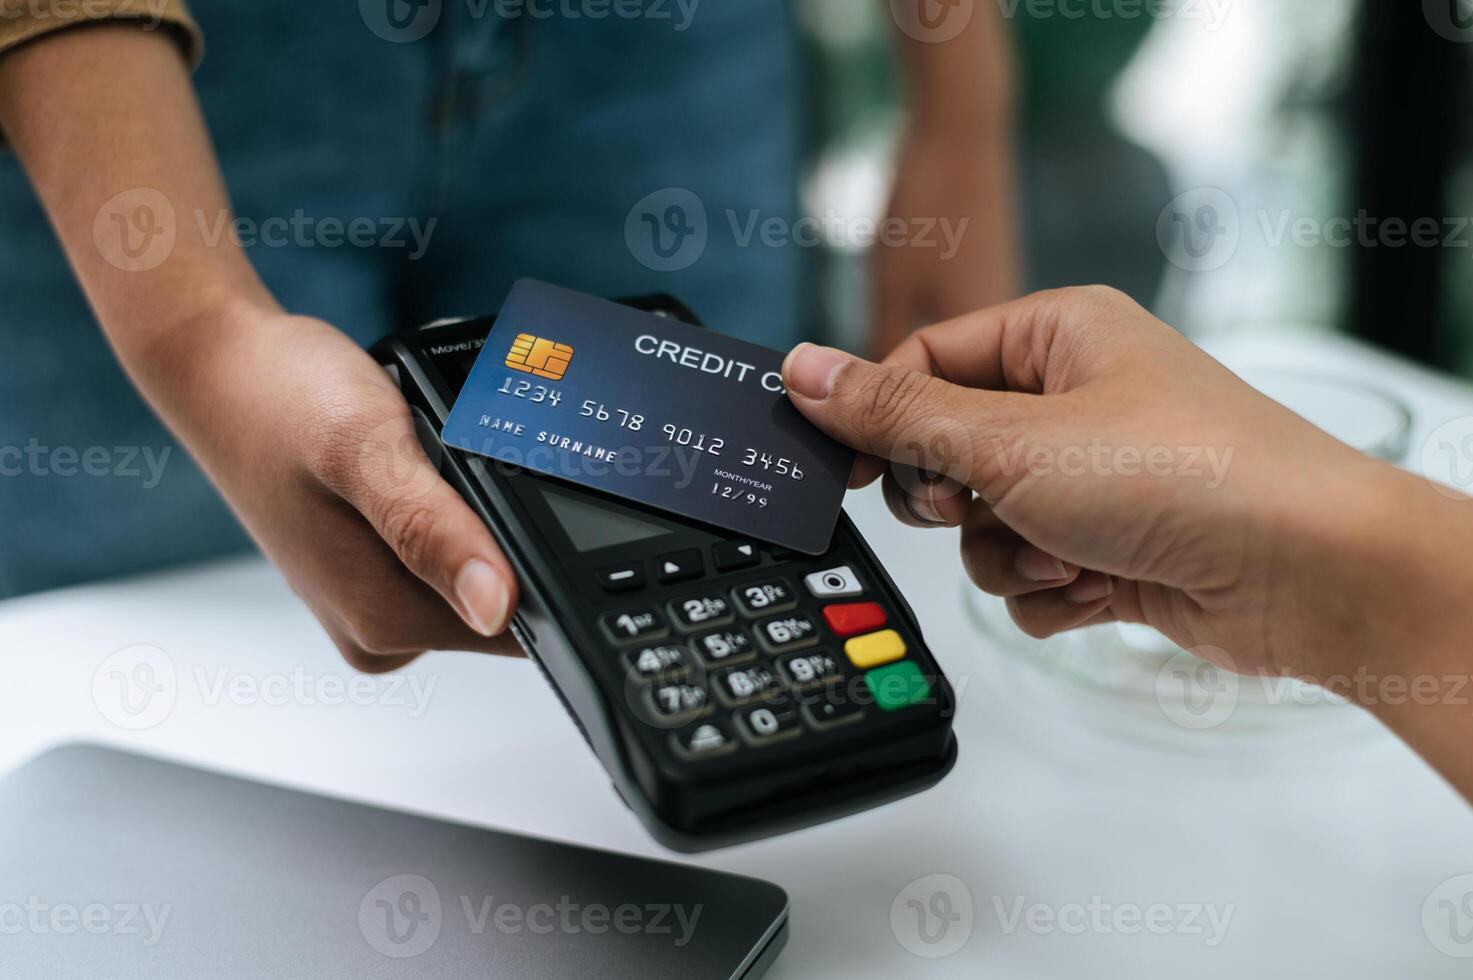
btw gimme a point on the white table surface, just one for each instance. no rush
(1323, 840)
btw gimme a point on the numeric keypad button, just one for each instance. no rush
(721, 647)
(767, 723)
(624, 626)
(650, 663)
(810, 668)
(780, 634)
(741, 685)
(762, 598)
(700, 612)
(675, 703)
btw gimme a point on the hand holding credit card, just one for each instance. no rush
(653, 410)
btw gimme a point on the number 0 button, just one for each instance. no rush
(769, 723)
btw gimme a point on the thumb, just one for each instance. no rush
(908, 417)
(434, 533)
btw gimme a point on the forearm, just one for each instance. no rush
(103, 111)
(962, 84)
(1392, 611)
(957, 166)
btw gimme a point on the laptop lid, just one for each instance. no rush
(119, 865)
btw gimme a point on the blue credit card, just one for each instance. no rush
(650, 409)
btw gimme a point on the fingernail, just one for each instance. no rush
(810, 370)
(1038, 566)
(925, 509)
(483, 597)
(1089, 588)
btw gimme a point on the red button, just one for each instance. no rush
(854, 617)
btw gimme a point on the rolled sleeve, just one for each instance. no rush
(25, 20)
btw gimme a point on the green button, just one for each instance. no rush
(897, 685)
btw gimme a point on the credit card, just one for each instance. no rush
(653, 410)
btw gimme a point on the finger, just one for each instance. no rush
(906, 416)
(972, 350)
(1002, 563)
(377, 633)
(1042, 614)
(363, 661)
(923, 502)
(430, 528)
(1007, 347)
(867, 469)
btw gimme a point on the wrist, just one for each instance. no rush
(174, 354)
(1382, 582)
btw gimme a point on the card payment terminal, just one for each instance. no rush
(733, 690)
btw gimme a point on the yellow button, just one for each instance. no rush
(875, 649)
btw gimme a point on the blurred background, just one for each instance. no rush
(1129, 115)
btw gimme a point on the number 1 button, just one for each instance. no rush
(628, 626)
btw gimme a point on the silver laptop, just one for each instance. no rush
(119, 865)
